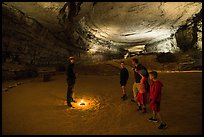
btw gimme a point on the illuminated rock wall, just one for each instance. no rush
(26, 45)
(167, 45)
(199, 34)
(189, 36)
(27, 42)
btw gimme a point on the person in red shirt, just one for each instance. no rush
(141, 98)
(155, 99)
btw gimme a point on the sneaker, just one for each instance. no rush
(69, 105)
(153, 120)
(162, 126)
(133, 100)
(72, 100)
(144, 110)
(139, 108)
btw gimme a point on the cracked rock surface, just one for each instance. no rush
(33, 35)
(113, 26)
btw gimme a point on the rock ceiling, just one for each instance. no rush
(118, 24)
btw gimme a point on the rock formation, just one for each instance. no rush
(33, 36)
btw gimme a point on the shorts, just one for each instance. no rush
(123, 83)
(135, 88)
(142, 98)
(155, 106)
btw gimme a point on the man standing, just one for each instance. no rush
(136, 85)
(124, 75)
(70, 80)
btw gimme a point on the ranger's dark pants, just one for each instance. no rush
(70, 91)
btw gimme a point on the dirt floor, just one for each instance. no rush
(37, 107)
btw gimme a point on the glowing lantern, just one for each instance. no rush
(82, 102)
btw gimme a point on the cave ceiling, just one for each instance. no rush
(117, 24)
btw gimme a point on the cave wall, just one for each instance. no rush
(189, 36)
(199, 34)
(166, 45)
(184, 38)
(25, 43)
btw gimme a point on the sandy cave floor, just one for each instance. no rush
(37, 107)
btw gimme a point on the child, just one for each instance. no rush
(141, 98)
(124, 75)
(155, 99)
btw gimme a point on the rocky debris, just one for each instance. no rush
(166, 57)
(19, 83)
(5, 89)
(15, 71)
(12, 86)
(46, 73)
(186, 62)
(7, 75)
(181, 61)
(46, 77)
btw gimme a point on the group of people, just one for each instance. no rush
(141, 89)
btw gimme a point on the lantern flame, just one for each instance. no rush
(82, 102)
